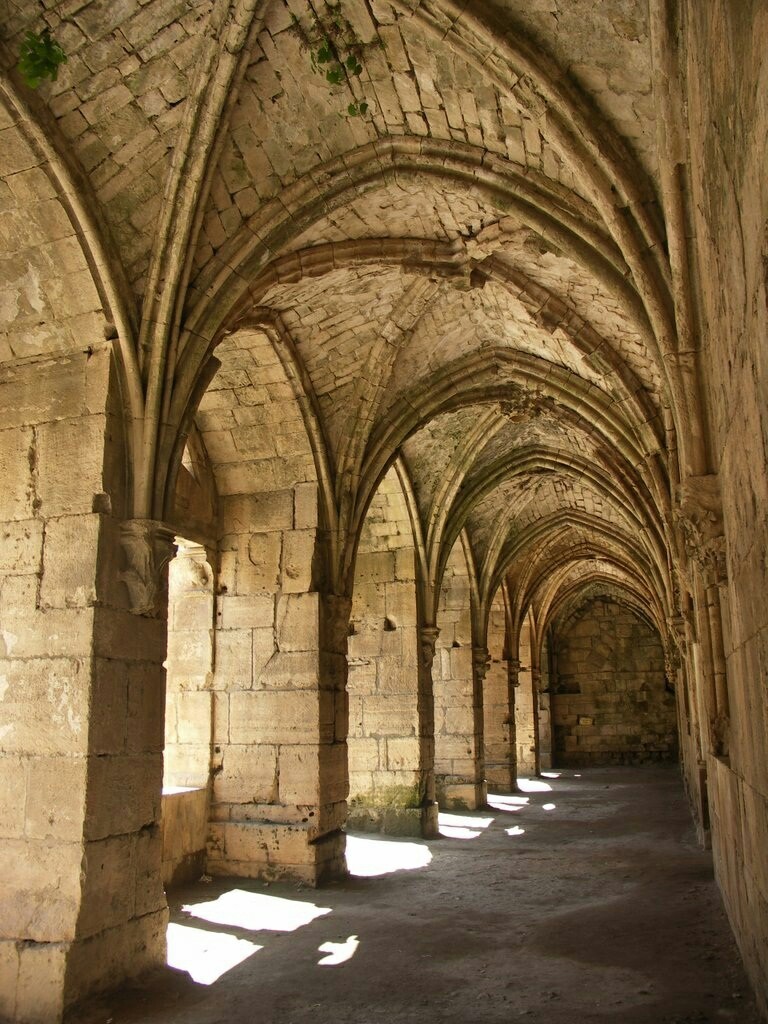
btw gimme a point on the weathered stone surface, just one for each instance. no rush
(488, 322)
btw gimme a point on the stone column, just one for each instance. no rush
(428, 635)
(280, 710)
(81, 700)
(498, 719)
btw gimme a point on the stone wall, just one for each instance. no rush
(726, 80)
(383, 742)
(610, 703)
(498, 711)
(81, 689)
(279, 770)
(458, 718)
(526, 727)
(189, 668)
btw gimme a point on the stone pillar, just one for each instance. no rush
(499, 723)
(459, 770)
(189, 697)
(280, 709)
(428, 635)
(81, 696)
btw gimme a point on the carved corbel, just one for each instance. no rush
(148, 546)
(481, 661)
(427, 639)
(514, 671)
(699, 514)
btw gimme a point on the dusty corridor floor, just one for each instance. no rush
(584, 898)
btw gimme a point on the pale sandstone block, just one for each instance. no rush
(13, 794)
(17, 448)
(193, 712)
(21, 546)
(402, 753)
(40, 984)
(298, 627)
(40, 895)
(69, 577)
(305, 498)
(55, 804)
(146, 709)
(249, 512)
(44, 706)
(258, 566)
(246, 612)
(248, 774)
(274, 716)
(125, 951)
(187, 764)
(106, 898)
(123, 794)
(299, 775)
(9, 974)
(147, 863)
(234, 658)
(192, 611)
(290, 670)
(59, 446)
(297, 559)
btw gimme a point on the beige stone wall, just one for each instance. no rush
(189, 668)
(525, 707)
(81, 693)
(727, 82)
(545, 710)
(185, 813)
(610, 704)
(383, 742)
(498, 710)
(279, 771)
(458, 712)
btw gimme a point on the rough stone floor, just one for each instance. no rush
(582, 899)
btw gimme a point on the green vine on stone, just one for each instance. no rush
(336, 55)
(39, 58)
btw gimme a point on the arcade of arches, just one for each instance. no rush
(381, 452)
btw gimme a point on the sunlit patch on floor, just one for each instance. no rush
(551, 775)
(548, 807)
(205, 955)
(458, 826)
(515, 831)
(507, 803)
(338, 952)
(369, 857)
(534, 786)
(256, 911)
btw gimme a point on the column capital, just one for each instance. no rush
(427, 639)
(481, 661)
(148, 546)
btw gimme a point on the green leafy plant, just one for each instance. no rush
(39, 58)
(336, 54)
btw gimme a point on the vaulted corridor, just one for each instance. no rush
(383, 418)
(582, 898)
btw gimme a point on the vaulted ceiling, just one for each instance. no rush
(471, 278)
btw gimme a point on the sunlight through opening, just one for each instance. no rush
(369, 857)
(256, 911)
(534, 786)
(338, 952)
(204, 955)
(507, 803)
(457, 826)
